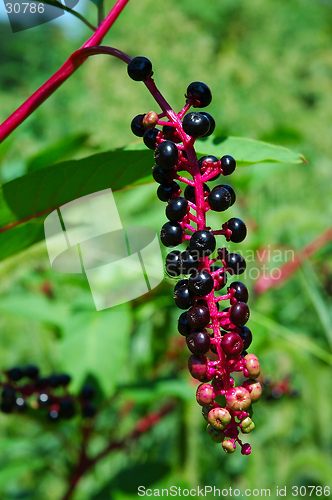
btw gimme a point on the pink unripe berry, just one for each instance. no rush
(219, 418)
(255, 389)
(197, 366)
(238, 398)
(150, 119)
(216, 435)
(246, 449)
(205, 394)
(252, 365)
(228, 446)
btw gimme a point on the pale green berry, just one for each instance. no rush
(247, 425)
(216, 435)
(228, 446)
(219, 418)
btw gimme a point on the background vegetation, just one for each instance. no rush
(269, 65)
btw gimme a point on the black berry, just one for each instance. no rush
(162, 176)
(139, 68)
(198, 342)
(203, 242)
(198, 317)
(172, 263)
(176, 209)
(137, 126)
(189, 192)
(166, 191)
(201, 283)
(231, 192)
(245, 335)
(171, 234)
(150, 137)
(200, 93)
(183, 326)
(195, 124)
(166, 155)
(31, 371)
(183, 297)
(228, 164)
(8, 395)
(188, 263)
(15, 373)
(211, 122)
(241, 291)
(239, 314)
(171, 133)
(238, 228)
(208, 158)
(219, 199)
(235, 263)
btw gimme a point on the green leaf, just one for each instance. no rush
(246, 151)
(57, 152)
(55, 3)
(97, 344)
(27, 200)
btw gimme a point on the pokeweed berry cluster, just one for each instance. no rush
(221, 335)
(23, 389)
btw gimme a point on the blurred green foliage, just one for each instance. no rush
(269, 65)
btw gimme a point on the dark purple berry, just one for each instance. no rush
(201, 283)
(219, 199)
(171, 133)
(88, 392)
(197, 366)
(176, 208)
(211, 121)
(166, 191)
(8, 395)
(54, 380)
(150, 137)
(171, 234)
(189, 192)
(208, 158)
(195, 124)
(137, 126)
(67, 408)
(238, 228)
(183, 326)
(201, 94)
(198, 342)
(198, 317)
(188, 263)
(31, 371)
(231, 192)
(232, 344)
(203, 242)
(63, 379)
(172, 263)
(182, 296)
(235, 263)
(15, 373)
(228, 164)
(241, 291)
(162, 176)
(166, 155)
(245, 335)
(139, 68)
(239, 314)
(43, 382)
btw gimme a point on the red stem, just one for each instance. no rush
(66, 70)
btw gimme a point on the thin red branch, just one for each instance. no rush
(66, 70)
(264, 283)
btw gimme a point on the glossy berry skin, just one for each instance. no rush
(172, 263)
(195, 124)
(219, 418)
(219, 199)
(198, 317)
(211, 121)
(201, 93)
(171, 234)
(188, 263)
(201, 283)
(209, 158)
(166, 155)
(241, 291)
(238, 228)
(189, 192)
(197, 366)
(239, 314)
(139, 68)
(150, 137)
(238, 398)
(198, 342)
(228, 164)
(176, 209)
(203, 242)
(252, 365)
(232, 344)
(235, 263)
(205, 394)
(162, 176)
(231, 192)
(166, 191)
(137, 126)
(245, 335)
(183, 326)
(183, 297)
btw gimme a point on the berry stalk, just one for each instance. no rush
(217, 339)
